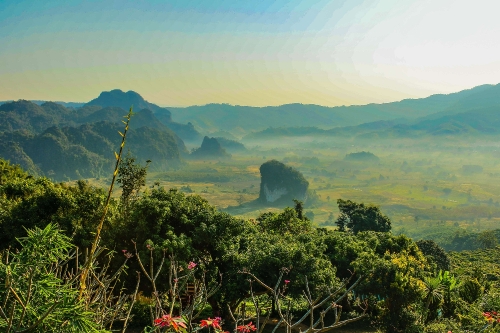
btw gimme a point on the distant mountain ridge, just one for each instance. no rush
(241, 120)
(40, 102)
(485, 121)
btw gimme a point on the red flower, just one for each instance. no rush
(287, 281)
(169, 321)
(192, 265)
(246, 328)
(215, 323)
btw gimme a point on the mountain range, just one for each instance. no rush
(240, 120)
(74, 142)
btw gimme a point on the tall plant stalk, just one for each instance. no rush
(95, 243)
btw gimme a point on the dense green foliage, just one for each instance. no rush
(435, 254)
(46, 302)
(358, 217)
(401, 282)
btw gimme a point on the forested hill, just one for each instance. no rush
(243, 119)
(63, 143)
(85, 151)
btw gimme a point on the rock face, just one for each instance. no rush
(210, 149)
(281, 183)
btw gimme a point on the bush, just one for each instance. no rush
(34, 290)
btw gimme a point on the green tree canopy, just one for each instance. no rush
(360, 217)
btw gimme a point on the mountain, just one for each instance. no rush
(26, 115)
(237, 119)
(124, 100)
(481, 97)
(210, 149)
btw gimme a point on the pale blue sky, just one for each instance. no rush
(247, 52)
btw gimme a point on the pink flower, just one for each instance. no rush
(287, 281)
(192, 265)
(124, 251)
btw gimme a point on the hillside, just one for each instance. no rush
(33, 117)
(64, 153)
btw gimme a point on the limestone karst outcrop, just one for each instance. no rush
(281, 183)
(210, 149)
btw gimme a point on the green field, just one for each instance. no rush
(422, 185)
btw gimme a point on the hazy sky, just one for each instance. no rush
(256, 52)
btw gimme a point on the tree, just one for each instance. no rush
(358, 217)
(131, 177)
(36, 202)
(299, 208)
(435, 254)
(487, 240)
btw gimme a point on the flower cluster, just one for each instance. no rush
(192, 265)
(214, 323)
(492, 317)
(177, 323)
(246, 328)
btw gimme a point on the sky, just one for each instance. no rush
(256, 52)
